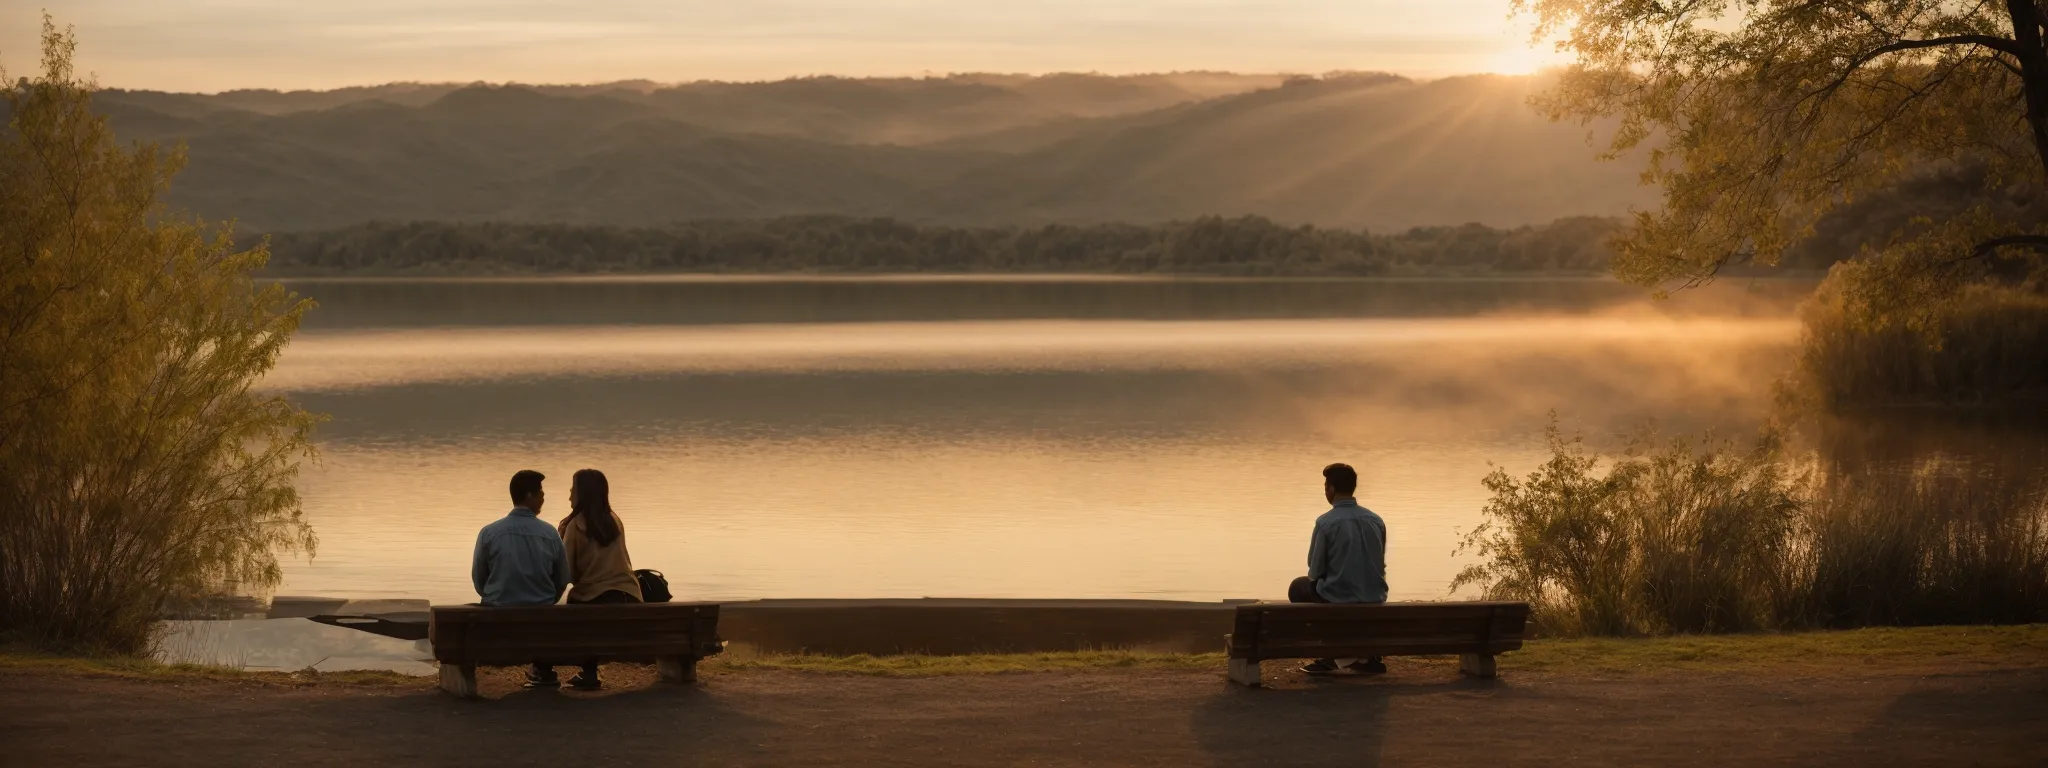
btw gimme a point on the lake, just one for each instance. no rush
(980, 437)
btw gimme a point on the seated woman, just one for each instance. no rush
(595, 541)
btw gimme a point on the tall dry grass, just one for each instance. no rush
(1675, 536)
(1985, 345)
(1716, 536)
(1937, 543)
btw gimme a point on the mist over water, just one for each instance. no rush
(992, 438)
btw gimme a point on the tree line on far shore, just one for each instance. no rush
(1248, 245)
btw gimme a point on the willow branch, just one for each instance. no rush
(1993, 42)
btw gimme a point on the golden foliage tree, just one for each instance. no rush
(1759, 116)
(138, 464)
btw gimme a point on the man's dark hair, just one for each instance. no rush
(525, 483)
(1342, 479)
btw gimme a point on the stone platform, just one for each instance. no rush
(939, 626)
(951, 626)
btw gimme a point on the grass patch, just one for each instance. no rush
(1791, 652)
(2024, 644)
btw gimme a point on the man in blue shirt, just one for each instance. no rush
(1347, 559)
(520, 561)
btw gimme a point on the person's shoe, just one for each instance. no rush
(1320, 667)
(1368, 667)
(550, 680)
(583, 682)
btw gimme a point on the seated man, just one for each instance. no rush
(520, 561)
(1347, 559)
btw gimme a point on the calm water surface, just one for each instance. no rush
(979, 438)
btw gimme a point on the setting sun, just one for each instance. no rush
(1526, 59)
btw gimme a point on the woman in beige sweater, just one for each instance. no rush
(595, 541)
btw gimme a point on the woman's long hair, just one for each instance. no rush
(594, 505)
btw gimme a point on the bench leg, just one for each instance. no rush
(1246, 672)
(1242, 671)
(459, 679)
(1476, 664)
(677, 669)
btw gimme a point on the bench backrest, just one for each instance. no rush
(1314, 631)
(470, 634)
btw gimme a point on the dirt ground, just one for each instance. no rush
(1420, 714)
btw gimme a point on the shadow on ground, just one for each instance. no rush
(1414, 716)
(1340, 720)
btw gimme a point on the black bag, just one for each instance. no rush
(653, 586)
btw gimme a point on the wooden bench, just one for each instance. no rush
(675, 636)
(1475, 631)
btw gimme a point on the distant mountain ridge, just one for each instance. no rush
(836, 109)
(1350, 149)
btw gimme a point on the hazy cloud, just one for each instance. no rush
(218, 44)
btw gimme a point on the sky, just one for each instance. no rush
(213, 45)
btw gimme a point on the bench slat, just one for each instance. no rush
(477, 614)
(1404, 611)
(517, 649)
(587, 631)
(1377, 626)
(475, 635)
(1282, 631)
(1415, 647)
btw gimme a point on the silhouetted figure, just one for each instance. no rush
(598, 564)
(520, 561)
(1347, 559)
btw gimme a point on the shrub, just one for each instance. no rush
(136, 464)
(1673, 538)
(1710, 536)
(1936, 543)
(1985, 345)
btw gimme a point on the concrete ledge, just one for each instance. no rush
(937, 626)
(297, 607)
(949, 626)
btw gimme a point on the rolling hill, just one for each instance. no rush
(1381, 153)
(1353, 150)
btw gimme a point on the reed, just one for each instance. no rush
(1985, 345)
(1715, 536)
(1936, 543)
